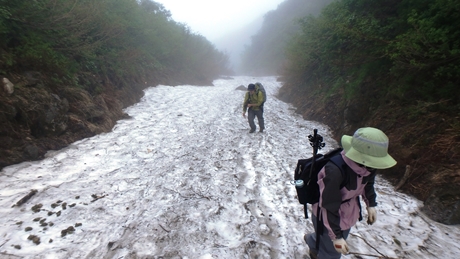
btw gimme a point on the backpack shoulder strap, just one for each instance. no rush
(340, 163)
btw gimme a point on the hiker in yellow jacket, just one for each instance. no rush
(253, 103)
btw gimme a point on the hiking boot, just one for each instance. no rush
(261, 130)
(252, 131)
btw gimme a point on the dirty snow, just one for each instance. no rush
(183, 178)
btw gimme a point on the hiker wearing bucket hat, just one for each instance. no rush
(368, 147)
(339, 207)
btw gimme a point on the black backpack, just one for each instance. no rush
(309, 192)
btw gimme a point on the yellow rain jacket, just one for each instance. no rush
(256, 98)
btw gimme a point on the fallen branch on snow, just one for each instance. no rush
(25, 198)
(97, 197)
(198, 195)
(164, 228)
(405, 177)
(378, 256)
(381, 256)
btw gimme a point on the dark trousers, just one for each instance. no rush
(260, 117)
(326, 246)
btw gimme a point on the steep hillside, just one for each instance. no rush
(395, 66)
(39, 116)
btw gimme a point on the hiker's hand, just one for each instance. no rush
(371, 215)
(341, 246)
(250, 105)
(244, 114)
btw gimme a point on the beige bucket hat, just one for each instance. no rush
(369, 147)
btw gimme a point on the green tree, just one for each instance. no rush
(89, 43)
(413, 43)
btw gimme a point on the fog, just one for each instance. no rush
(229, 25)
(215, 19)
(233, 44)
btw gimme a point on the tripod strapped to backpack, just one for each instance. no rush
(306, 172)
(306, 176)
(316, 141)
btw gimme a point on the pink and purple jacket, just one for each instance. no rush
(339, 208)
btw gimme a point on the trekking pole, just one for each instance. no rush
(316, 141)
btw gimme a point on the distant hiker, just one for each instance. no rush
(253, 101)
(339, 208)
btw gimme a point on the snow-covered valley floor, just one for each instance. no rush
(183, 178)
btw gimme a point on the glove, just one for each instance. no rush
(341, 246)
(371, 215)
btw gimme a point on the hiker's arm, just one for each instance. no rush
(245, 102)
(330, 178)
(370, 196)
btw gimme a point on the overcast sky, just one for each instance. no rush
(214, 19)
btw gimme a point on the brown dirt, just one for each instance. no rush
(41, 116)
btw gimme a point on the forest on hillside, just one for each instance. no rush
(410, 49)
(121, 42)
(394, 65)
(69, 67)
